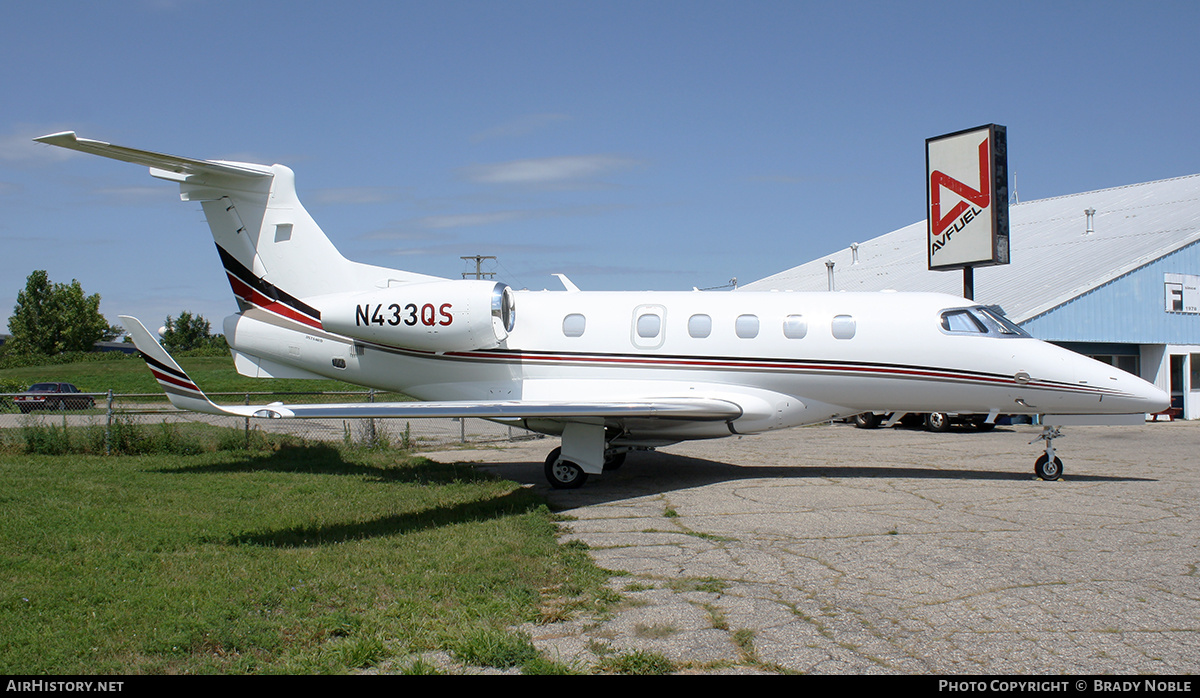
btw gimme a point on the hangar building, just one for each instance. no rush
(1112, 274)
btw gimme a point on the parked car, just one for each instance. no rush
(53, 396)
(933, 421)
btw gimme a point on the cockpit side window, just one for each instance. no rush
(961, 321)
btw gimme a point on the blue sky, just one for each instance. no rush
(631, 145)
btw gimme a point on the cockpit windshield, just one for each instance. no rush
(1003, 324)
(979, 320)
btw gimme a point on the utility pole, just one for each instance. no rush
(479, 273)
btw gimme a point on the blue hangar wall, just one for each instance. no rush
(1126, 322)
(1129, 309)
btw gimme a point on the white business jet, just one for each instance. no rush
(610, 372)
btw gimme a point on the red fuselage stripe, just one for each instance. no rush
(253, 297)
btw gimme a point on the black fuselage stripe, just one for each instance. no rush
(236, 268)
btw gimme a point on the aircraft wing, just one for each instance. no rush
(186, 395)
(155, 161)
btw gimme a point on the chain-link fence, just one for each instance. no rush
(107, 413)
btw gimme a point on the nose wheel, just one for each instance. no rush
(1048, 466)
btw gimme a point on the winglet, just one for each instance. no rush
(180, 390)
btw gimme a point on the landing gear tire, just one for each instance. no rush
(981, 424)
(937, 421)
(866, 420)
(563, 474)
(615, 461)
(1047, 469)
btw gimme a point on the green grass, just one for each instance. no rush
(130, 375)
(637, 663)
(314, 559)
(128, 437)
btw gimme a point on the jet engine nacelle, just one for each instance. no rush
(437, 316)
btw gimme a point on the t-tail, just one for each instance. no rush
(274, 253)
(287, 275)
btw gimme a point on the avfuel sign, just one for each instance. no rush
(967, 198)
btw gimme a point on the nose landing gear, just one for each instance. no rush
(1048, 466)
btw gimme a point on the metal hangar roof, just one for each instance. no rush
(1054, 256)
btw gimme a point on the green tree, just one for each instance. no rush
(188, 332)
(52, 318)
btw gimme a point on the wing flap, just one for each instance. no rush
(691, 409)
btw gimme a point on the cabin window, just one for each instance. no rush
(795, 327)
(573, 325)
(699, 326)
(746, 326)
(648, 326)
(961, 321)
(843, 326)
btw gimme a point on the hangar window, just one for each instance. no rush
(795, 327)
(699, 326)
(648, 325)
(843, 326)
(573, 325)
(746, 326)
(1127, 363)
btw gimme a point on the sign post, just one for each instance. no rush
(967, 201)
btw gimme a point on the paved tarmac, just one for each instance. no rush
(834, 550)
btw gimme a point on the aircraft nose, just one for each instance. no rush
(1155, 398)
(1140, 395)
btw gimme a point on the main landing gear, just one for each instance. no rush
(563, 474)
(1048, 466)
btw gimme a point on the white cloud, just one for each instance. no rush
(466, 220)
(358, 195)
(569, 169)
(124, 196)
(489, 247)
(18, 146)
(518, 127)
(411, 229)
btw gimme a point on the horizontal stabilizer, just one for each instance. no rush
(186, 395)
(158, 161)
